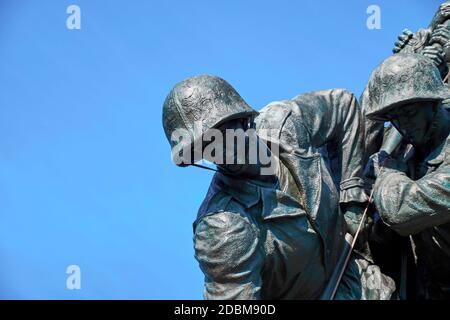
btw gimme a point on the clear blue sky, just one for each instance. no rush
(85, 170)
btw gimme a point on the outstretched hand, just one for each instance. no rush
(403, 39)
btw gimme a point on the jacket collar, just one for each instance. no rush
(241, 190)
(275, 203)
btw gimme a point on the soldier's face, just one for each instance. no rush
(414, 120)
(232, 154)
(230, 146)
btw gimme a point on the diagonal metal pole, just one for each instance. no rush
(352, 246)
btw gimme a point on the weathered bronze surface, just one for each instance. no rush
(410, 92)
(412, 189)
(281, 238)
(283, 235)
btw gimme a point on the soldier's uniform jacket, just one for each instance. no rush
(418, 203)
(282, 241)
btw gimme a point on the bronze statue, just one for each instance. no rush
(432, 42)
(412, 189)
(280, 235)
(280, 229)
(394, 253)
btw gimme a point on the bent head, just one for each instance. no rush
(204, 117)
(237, 149)
(229, 147)
(414, 121)
(195, 106)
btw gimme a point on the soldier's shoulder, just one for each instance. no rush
(313, 97)
(223, 233)
(217, 202)
(219, 223)
(273, 114)
(225, 244)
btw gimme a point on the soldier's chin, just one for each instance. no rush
(235, 169)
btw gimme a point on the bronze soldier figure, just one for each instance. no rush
(412, 189)
(390, 251)
(432, 42)
(277, 236)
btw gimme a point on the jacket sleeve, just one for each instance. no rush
(410, 206)
(228, 251)
(332, 118)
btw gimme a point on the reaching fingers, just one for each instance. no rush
(432, 52)
(443, 41)
(400, 44)
(435, 58)
(441, 37)
(408, 33)
(403, 38)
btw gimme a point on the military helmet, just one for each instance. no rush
(402, 79)
(200, 103)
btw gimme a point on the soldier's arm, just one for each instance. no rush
(409, 42)
(228, 251)
(411, 206)
(333, 117)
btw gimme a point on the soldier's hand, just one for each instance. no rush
(441, 35)
(374, 165)
(403, 40)
(353, 215)
(435, 54)
(383, 161)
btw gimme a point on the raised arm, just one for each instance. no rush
(333, 118)
(410, 206)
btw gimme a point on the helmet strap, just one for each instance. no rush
(204, 167)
